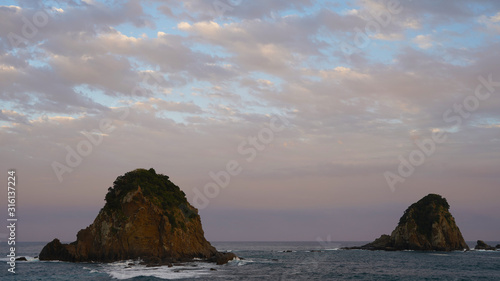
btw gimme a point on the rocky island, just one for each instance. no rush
(426, 225)
(146, 217)
(480, 245)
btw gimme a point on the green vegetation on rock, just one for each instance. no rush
(156, 187)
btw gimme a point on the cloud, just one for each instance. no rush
(423, 41)
(207, 10)
(12, 116)
(491, 22)
(157, 105)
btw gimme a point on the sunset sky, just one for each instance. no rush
(280, 120)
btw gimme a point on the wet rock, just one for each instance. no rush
(223, 258)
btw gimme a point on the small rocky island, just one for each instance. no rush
(426, 225)
(146, 217)
(480, 245)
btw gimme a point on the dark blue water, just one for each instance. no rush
(275, 261)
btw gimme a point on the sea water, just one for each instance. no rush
(273, 261)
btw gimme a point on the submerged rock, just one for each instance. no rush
(426, 225)
(146, 216)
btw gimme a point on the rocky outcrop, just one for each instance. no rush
(425, 225)
(428, 225)
(145, 217)
(384, 242)
(480, 245)
(57, 251)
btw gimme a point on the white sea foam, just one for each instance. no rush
(90, 269)
(28, 259)
(121, 270)
(483, 250)
(239, 262)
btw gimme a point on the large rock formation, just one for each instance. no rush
(425, 225)
(145, 216)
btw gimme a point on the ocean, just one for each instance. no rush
(274, 261)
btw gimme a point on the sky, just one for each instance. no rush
(285, 120)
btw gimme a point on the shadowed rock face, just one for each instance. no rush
(480, 245)
(428, 225)
(425, 225)
(145, 216)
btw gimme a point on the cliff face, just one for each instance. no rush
(145, 216)
(428, 225)
(425, 225)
